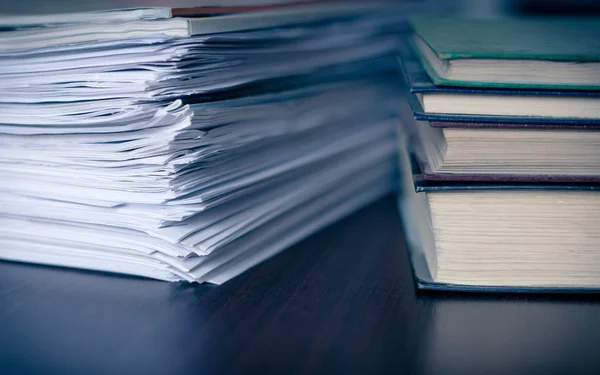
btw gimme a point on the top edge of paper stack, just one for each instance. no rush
(23, 32)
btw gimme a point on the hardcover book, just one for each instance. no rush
(510, 53)
(505, 107)
(511, 237)
(501, 153)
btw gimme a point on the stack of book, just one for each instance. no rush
(191, 144)
(502, 154)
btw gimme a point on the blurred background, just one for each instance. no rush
(476, 8)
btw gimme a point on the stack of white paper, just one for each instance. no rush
(187, 157)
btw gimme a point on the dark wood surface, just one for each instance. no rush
(340, 302)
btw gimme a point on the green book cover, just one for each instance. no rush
(570, 40)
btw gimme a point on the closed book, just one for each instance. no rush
(503, 152)
(511, 237)
(505, 107)
(549, 53)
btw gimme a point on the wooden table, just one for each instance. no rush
(340, 302)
